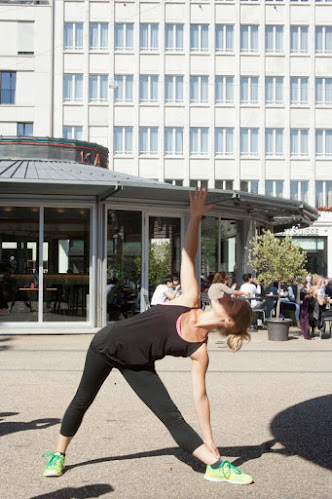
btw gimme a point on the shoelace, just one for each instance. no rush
(52, 458)
(228, 467)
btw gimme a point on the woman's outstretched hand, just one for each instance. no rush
(197, 202)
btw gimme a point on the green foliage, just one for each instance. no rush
(274, 259)
(159, 262)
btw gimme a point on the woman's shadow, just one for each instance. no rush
(303, 429)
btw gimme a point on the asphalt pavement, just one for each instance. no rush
(271, 411)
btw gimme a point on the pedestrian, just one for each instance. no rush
(180, 329)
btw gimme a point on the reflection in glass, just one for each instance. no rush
(66, 264)
(19, 238)
(209, 246)
(228, 239)
(124, 261)
(164, 249)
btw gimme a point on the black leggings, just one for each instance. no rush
(145, 383)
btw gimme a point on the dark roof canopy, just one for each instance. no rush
(19, 177)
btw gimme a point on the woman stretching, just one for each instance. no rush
(133, 345)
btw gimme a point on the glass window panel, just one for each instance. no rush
(194, 37)
(129, 36)
(94, 39)
(19, 264)
(79, 36)
(124, 261)
(209, 245)
(279, 188)
(164, 249)
(66, 264)
(179, 37)
(204, 37)
(69, 36)
(67, 87)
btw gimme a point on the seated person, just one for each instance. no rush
(164, 292)
(288, 302)
(253, 289)
(219, 287)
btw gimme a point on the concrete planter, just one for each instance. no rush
(277, 329)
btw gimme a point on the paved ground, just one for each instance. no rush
(271, 412)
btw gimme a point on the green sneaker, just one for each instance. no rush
(55, 464)
(227, 473)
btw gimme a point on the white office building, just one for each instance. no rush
(229, 94)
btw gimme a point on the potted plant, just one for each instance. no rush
(274, 259)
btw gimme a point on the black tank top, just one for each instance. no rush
(139, 341)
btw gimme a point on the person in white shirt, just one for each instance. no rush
(254, 290)
(164, 292)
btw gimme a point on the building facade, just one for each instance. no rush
(228, 94)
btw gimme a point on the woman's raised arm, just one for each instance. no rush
(189, 285)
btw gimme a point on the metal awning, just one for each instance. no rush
(56, 179)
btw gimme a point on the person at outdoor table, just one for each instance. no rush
(288, 302)
(219, 287)
(253, 289)
(165, 292)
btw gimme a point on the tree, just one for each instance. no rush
(274, 259)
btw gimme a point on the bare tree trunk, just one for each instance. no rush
(278, 301)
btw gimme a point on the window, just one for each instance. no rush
(274, 39)
(174, 181)
(274, 90)
(173, 141)
(249, 141)
(324, 91)
(73, 36)
(148, 140)
(25, 129)
(299, 39)
(299, 190)
(323, 142)
(224, 185)
(174, 37)
(248, 90)
(198, 183)
(98, 36)
(323, 39)
(249, 186)
(7, 87)
(148, 89)
(199, 89)
(274, 138)
(224, 89)
(299, 90)
(98, 88)
(124, 37)
(199, 138)
(149, 37)
(123, 91)
(224, 141)
(324, 193)
(173, 89)
(72, 88)
(274, 188)
(224, 38)
(199, 37)
(73, 132)
(123, 140)
(249, 38)
(299, 142)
